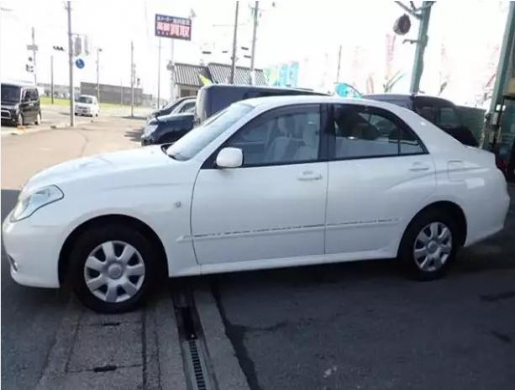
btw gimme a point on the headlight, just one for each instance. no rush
(29, 204)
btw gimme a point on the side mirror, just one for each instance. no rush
(229, 158)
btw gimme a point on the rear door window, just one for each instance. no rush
(367, 132)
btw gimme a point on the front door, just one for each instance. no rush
(379, 175)
(28, 106)
(273, 207)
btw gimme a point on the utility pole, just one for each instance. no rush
(159, 75)
(70, 64)
(234, 42)
(418, 65)
(339, 63)
(34, 51)
(254, 34)
(98, 73)
(132, 79)
(52, 77)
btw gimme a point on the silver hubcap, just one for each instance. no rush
(114, 271)
(433, 246)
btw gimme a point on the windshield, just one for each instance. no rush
(10, 94)
(85, 99)
(197, 139)
(172, 105)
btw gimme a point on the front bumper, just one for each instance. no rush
(9, 115)
(83, 112)
(32, 253)
(145, 141)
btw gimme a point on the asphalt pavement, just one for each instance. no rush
(363, 326)
(31, 317)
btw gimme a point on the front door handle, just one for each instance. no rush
(309, 176)
(419, 167)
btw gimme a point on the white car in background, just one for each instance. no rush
(269, 182)
(87, 105)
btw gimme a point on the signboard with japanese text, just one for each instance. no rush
(173, 27)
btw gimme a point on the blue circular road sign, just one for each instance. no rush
(79, 62)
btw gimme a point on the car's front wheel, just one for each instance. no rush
(19, 120)
(113, 268)
(429, 245)
(37, 122)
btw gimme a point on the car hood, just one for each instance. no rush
(9, 105)
(100, 166)
(167, 122)
(174, 117)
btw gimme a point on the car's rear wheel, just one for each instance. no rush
(429, 245)
(113, 268)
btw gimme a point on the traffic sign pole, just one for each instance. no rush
(70, 64)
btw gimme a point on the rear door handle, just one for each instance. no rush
(419, 167)
(309, 176)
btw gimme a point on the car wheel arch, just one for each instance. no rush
(446, 206)
(145, 229)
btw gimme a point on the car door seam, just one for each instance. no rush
(191, 216)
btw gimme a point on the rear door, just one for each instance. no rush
(379, 175)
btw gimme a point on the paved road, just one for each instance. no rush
(59, 116)
(30, 317)
(362, 326)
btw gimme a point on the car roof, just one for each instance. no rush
(91, 96)
(406, 96)
(18, 84)
(279, 101)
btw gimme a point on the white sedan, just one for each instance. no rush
(270, 182)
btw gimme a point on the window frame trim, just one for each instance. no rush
(360, 108)
(210, 162)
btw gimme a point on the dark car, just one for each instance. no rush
(20, 104)
(179, 106)
(438, 111)
(210, 100)
(166, 129)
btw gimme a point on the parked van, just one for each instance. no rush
(214, 98)
(20, 104)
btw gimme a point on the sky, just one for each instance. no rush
(464, 37)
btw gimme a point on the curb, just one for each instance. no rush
(21, 130)
(225, 366)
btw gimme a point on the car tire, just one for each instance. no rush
(102, 271)
(37, 122)
(429, 245)
(20, 121)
